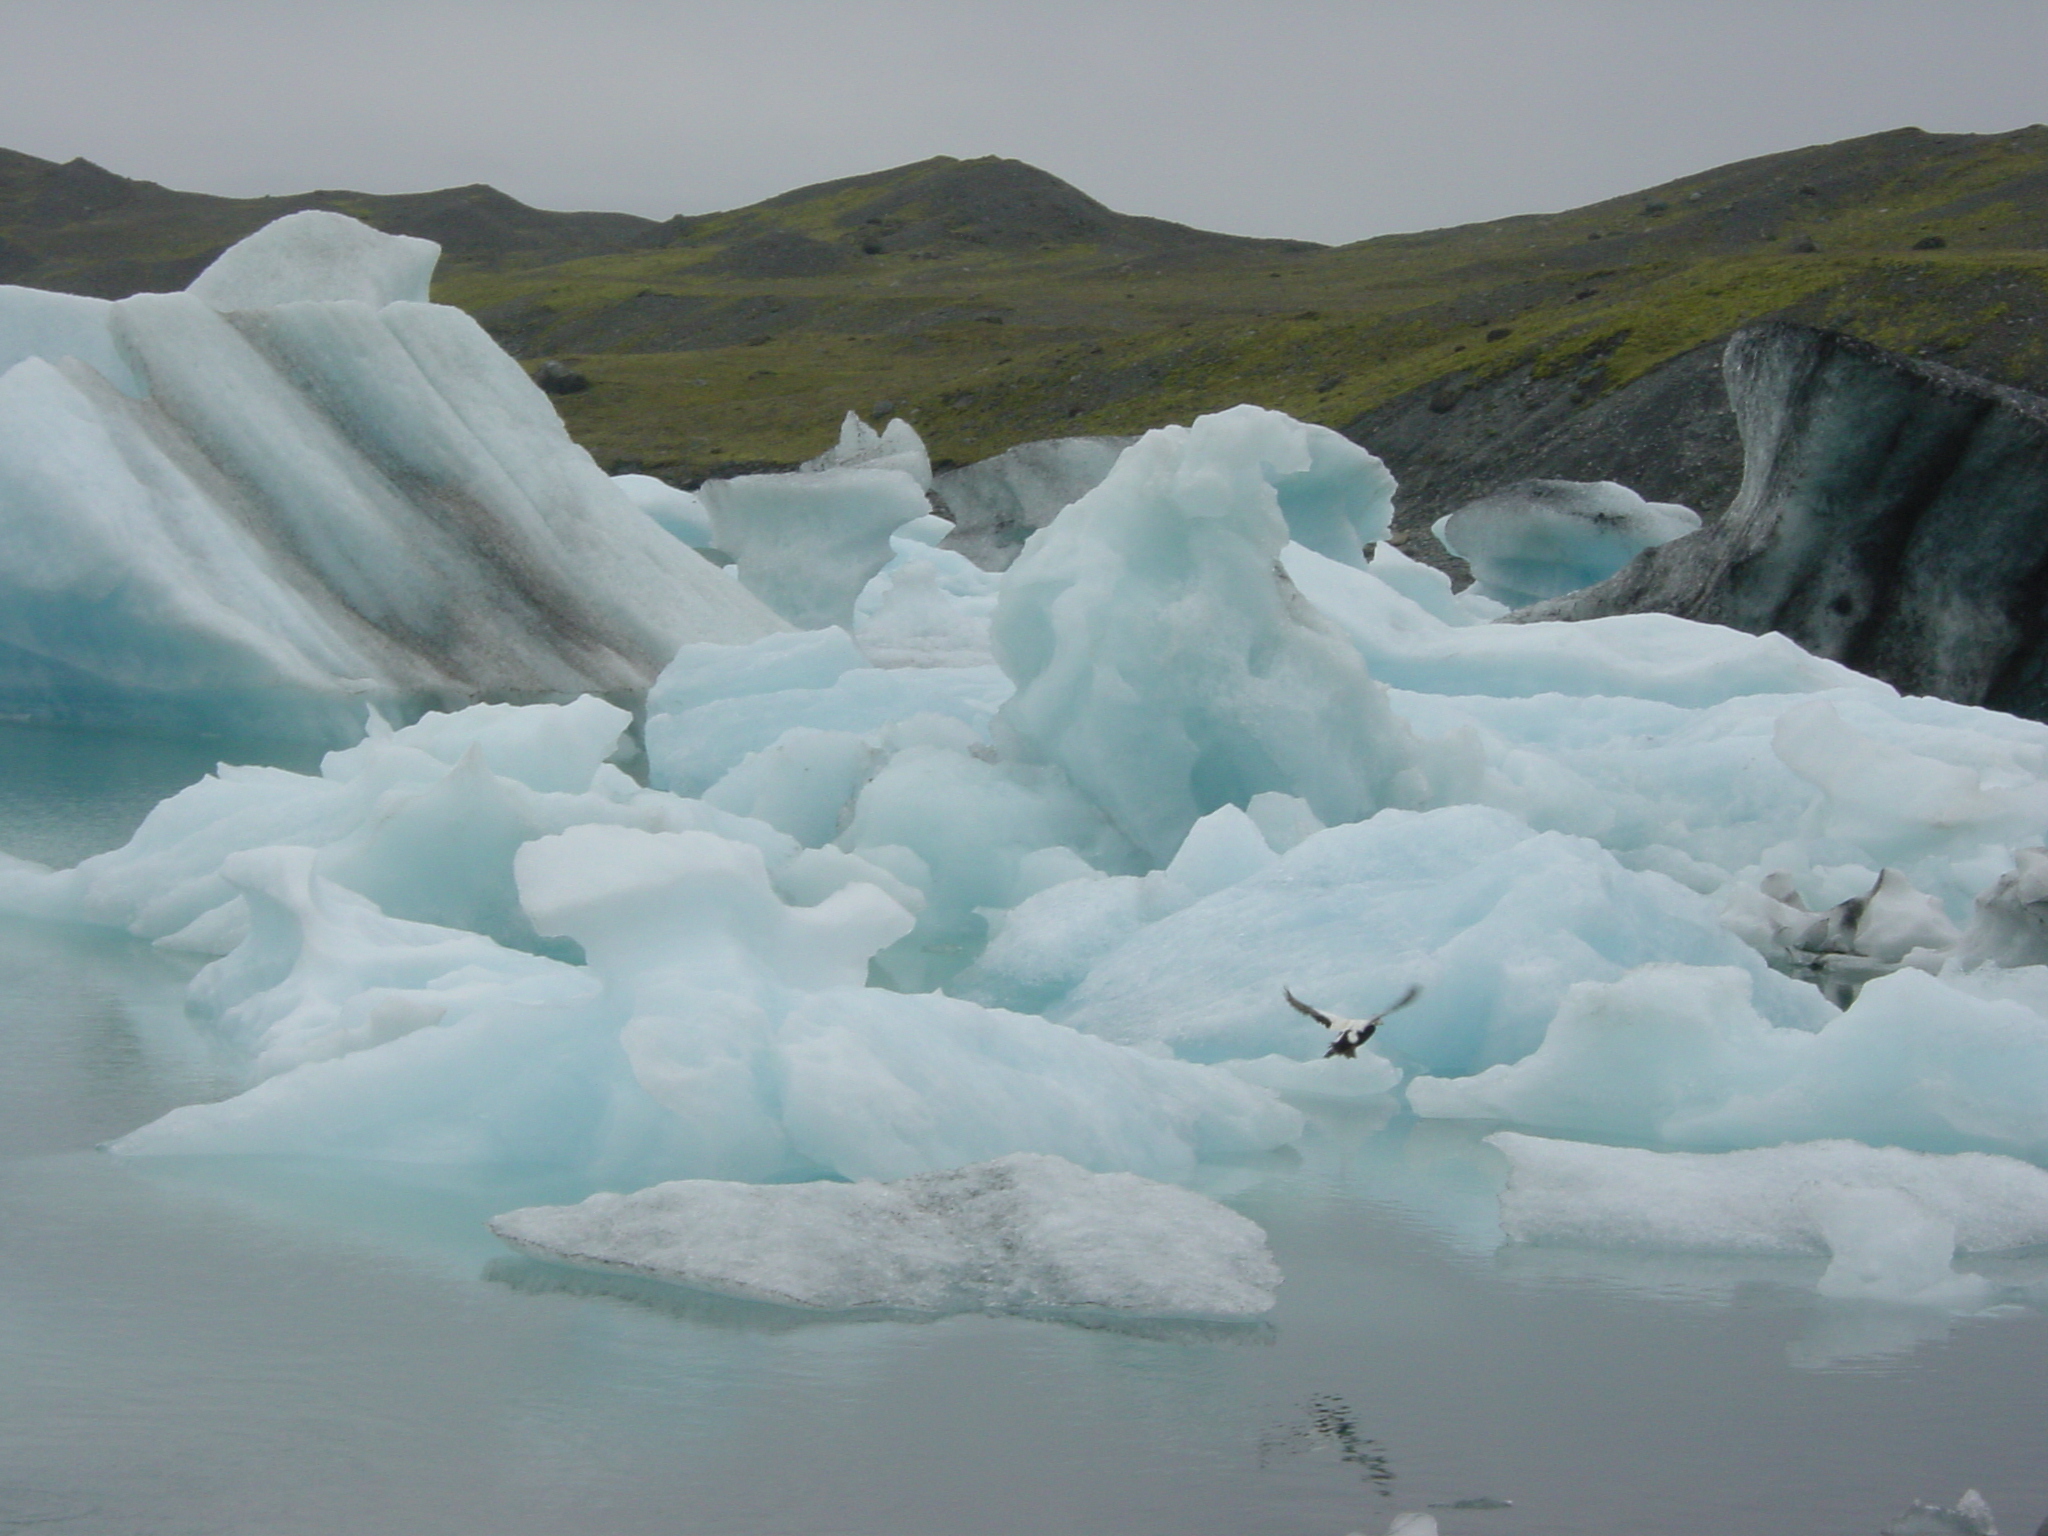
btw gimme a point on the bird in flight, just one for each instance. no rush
(1350, 1033)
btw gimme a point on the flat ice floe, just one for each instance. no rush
(1890, 1221)
(1020, 1233)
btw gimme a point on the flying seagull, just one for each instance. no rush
(1351, 1033)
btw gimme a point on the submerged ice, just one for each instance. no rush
(971, 864)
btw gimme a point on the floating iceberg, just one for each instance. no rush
(720, 1028)
(251, 507)
(1020, 1233)
(1539, 539)
(897, 446)
(1676, 1055)
(1000, 502)
(1164, 661)
(886, 908)
(807, 543)
(680, 512)
(1497, 922)
(1762, 1200)
(1890, 1222)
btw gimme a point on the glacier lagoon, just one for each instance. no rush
(270, 1347)
(1000, 867)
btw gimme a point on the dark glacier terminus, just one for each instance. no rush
(1893, 516)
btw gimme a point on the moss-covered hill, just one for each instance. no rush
(992, 303)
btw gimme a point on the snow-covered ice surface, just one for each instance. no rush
(1022, 1233)
(251, 507)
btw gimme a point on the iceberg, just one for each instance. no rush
(1763, 1200)
(1890, 1222)
(807, 543)
(1539, 539)
(1677, 1056)
(897, 446)
(1020, 1233)
(1021, 863)
(1165, 662)
(679, 512)
(720, 1027)
(999, 502)
(1497, 922)
(297, 487)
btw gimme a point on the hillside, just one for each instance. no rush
(992, 303)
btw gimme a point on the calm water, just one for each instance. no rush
(277, 1349)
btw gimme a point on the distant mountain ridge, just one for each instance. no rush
(992, 303)
(79, 228)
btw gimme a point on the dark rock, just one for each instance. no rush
(1500, 333)
(559, 379)
(1803, 246)
(1930, 243)
(1893, 516)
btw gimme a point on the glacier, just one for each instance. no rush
(299, 487)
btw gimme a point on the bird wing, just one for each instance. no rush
(1407, 997)
(1315, 1013)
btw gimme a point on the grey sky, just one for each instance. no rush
(1321, 120)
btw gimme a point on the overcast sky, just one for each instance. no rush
(1307, 118)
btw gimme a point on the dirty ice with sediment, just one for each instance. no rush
(928, 868)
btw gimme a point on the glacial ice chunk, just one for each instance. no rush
(999, 502)
(1168, 666)
(928, 607)
(1026, 1232)
(323, 973)
(269, 515)
(1970, 1516)
(1758, 1200)
(54, 326)
(1538, 539)
(716, 705)
(678, 511)
(897, 446)
(807, 543)
(1496, 921)
(721, 1028)
(1408, 643)
(1676, 1055)
(318, 255)
(2009, 926)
